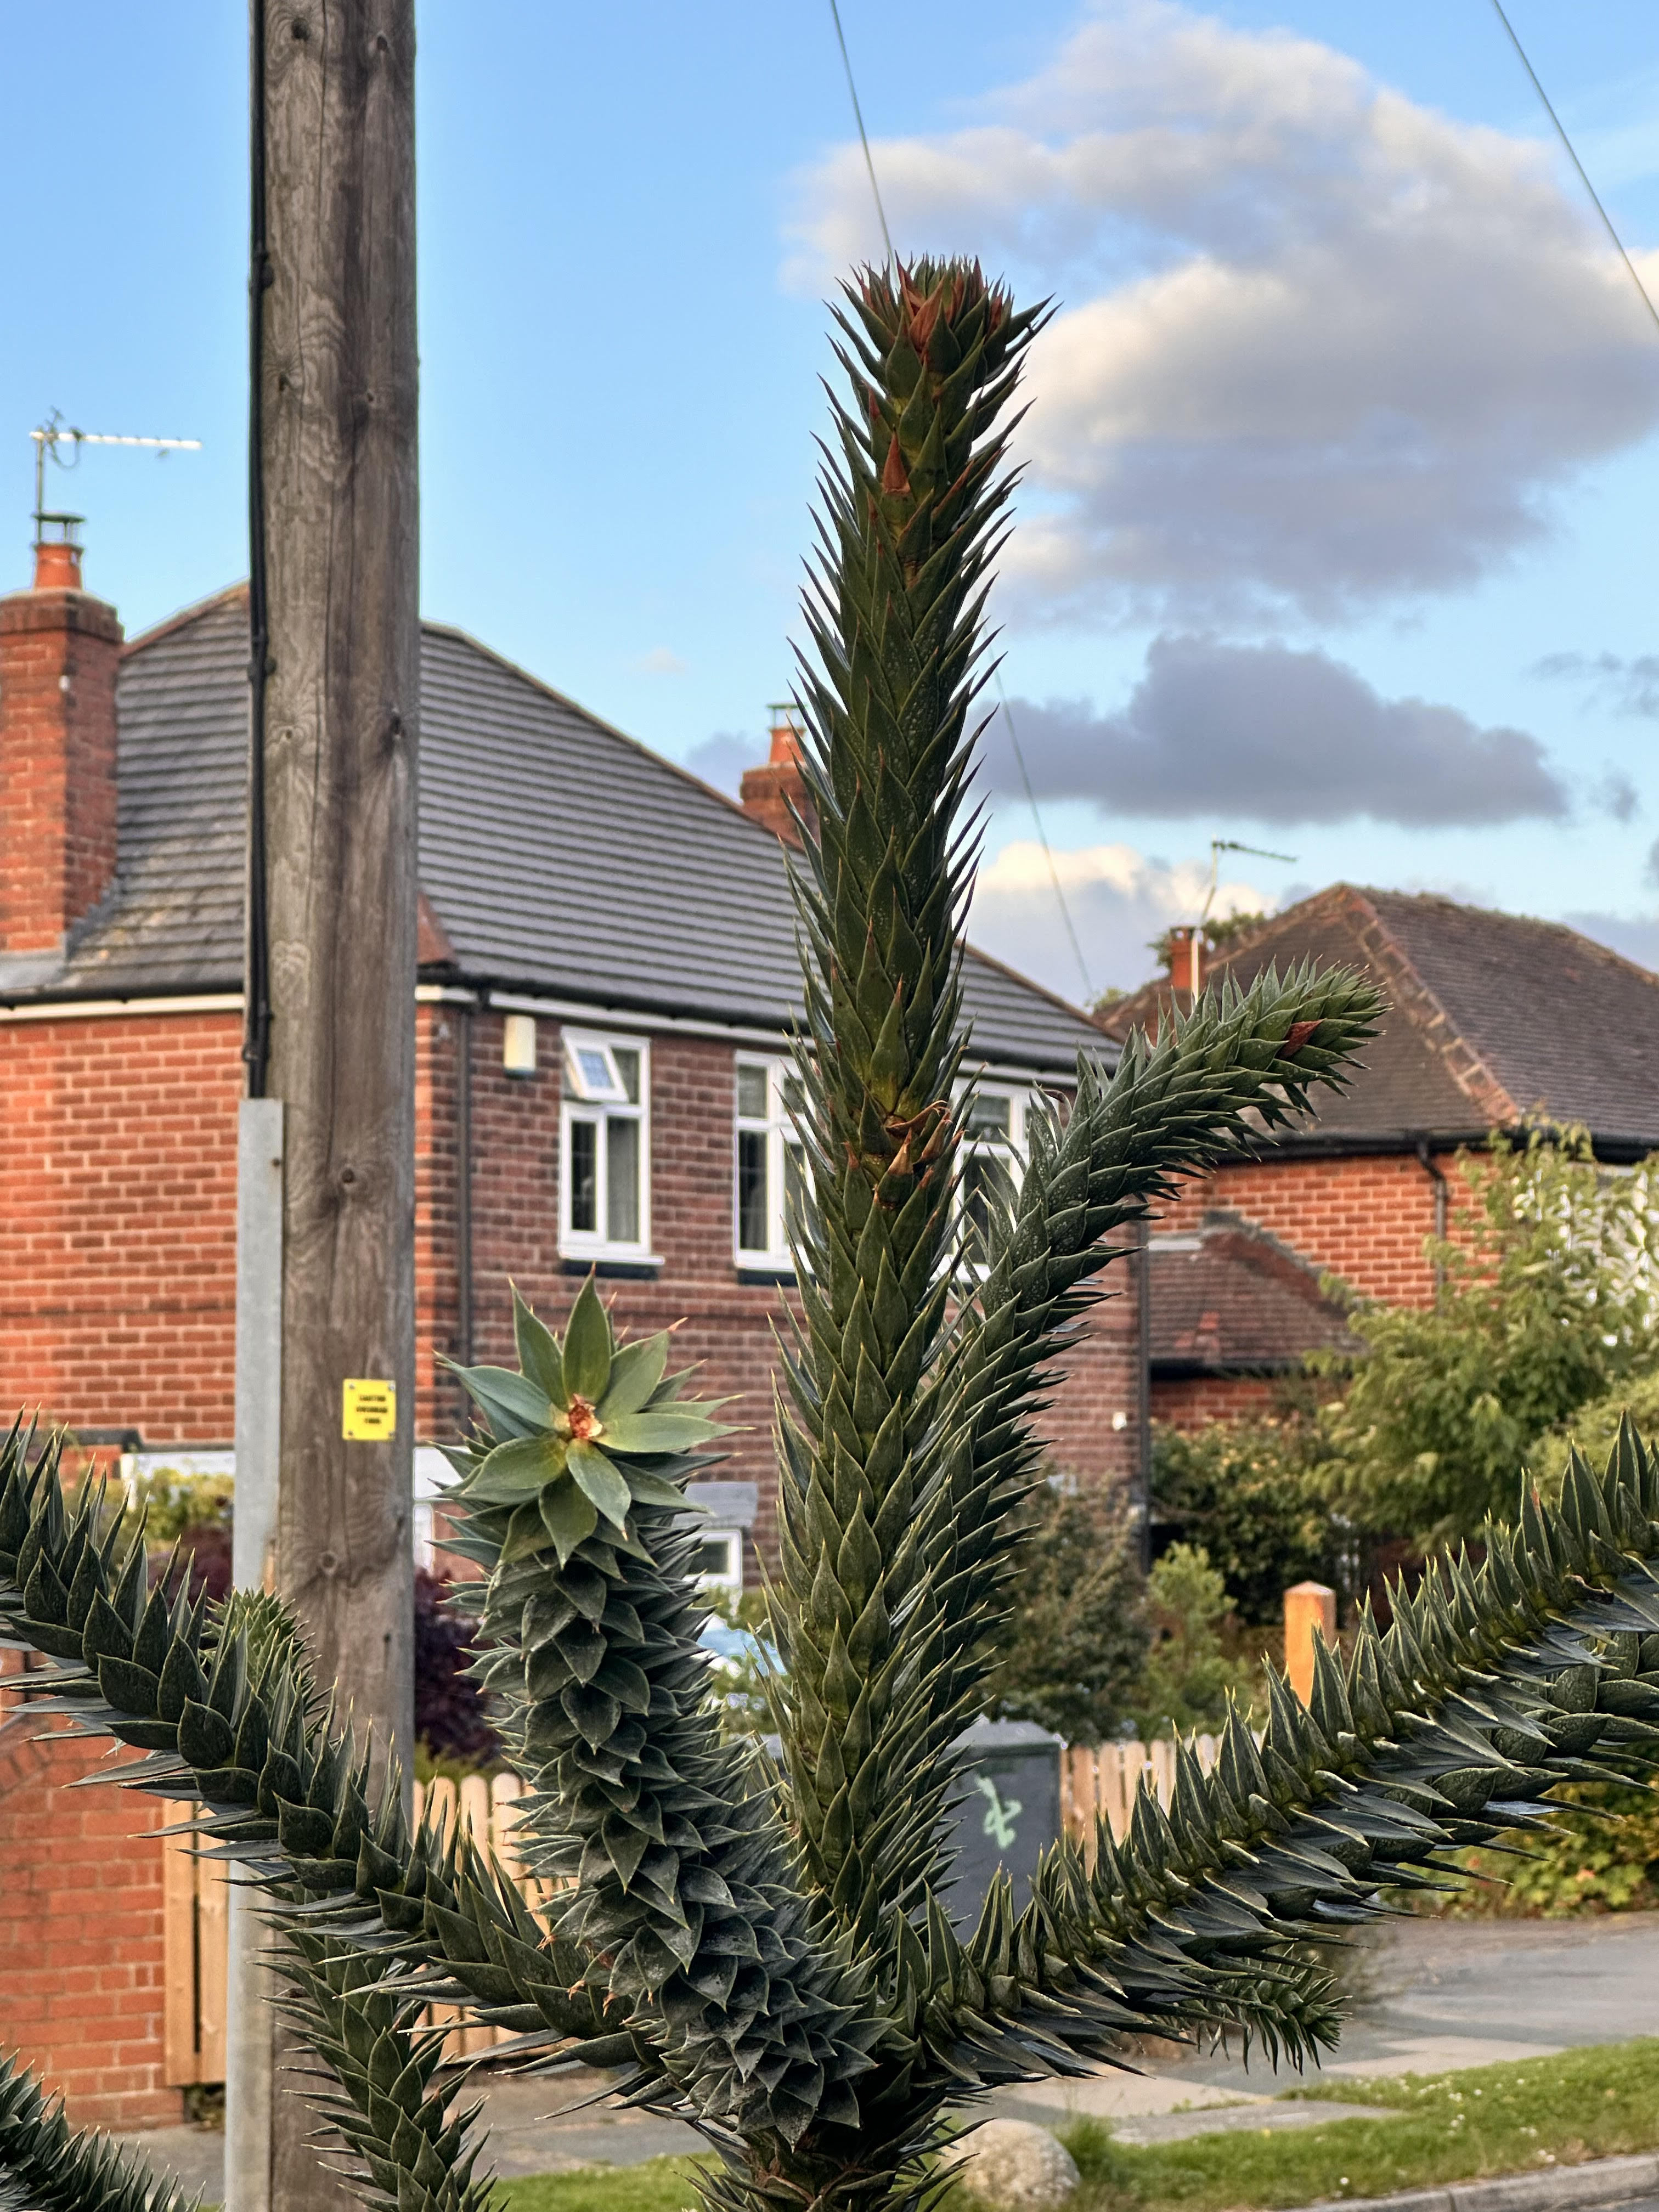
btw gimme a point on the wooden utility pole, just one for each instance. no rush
(335, 617)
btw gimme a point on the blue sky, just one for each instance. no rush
(1339, 531)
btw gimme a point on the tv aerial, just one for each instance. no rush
(1221, 845)
(63, 442)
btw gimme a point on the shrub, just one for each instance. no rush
(1547, 1304)
(1600, 1855)
(1071, 1655)
(451, 1720)
(1252, 1495)
(1189, 1675)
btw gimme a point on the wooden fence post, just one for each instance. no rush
(1308, 1606)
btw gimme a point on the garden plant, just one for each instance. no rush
(766, 1948)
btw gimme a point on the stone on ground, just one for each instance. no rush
(1014, 2167)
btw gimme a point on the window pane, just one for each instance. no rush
(752, 1191)
(751, 1093)
(795, 1096)
(622, 1162)
(593, 1071)
(987, 1116)
(628, 1066)
(714, 1557)
(584, 1177)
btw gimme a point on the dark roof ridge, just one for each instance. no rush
(1135, 1009)
(1607, 953)
(194, 613)
(188, 917)
(1427, 1013)
(733, 806)
(564, 699)
(1356, 905)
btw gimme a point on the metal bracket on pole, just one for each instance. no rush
(250, 2018)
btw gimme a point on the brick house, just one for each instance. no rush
(607, 976)
(1493, 1017)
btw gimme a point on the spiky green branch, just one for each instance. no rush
(774, 1957)
(46, 2165)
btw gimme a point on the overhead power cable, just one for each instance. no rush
(1007, 711)
(1572, 155)
(863, 141)
(1043, 839)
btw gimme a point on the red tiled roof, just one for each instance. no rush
(1229, 1299)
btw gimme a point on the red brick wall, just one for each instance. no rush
(1364, 1219)
(81, 1931)
(118, 1221)
(118, 1231)
(1193, 1402)
(727, 1324)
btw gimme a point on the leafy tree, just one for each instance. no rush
(1189, 1681)
(1251, 1494)
(771, 1956)
(1546, 1303)
(1070, 1652)
(1594, 1428)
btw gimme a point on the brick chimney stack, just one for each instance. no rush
(768, 792)
(60, 649)
(1187, 959)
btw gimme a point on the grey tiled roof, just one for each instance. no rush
(1565, 1024)
(557, 856)
(1492, 1017)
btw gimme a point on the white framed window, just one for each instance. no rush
(605, 1148)
(995, 1131)
(769, 1160)
(720, 1559)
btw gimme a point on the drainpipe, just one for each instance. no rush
(464, 1184)
(1425, 1161)
(1144, 1392)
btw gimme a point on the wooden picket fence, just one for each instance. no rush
(488, 1812)
(195, 1926)
(195, 1949)
(1106, 1779)
(1102, 1780)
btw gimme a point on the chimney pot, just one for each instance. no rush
(57, 553)
(56, 566)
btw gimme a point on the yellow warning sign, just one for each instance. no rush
(370, 1411)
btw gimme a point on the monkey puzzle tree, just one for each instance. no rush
(769, 1951)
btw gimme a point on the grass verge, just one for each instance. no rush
(661, 2184)
(1529, 2114)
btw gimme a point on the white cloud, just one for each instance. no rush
(1118, 900)
(662, 660)
(721, 759)
(1322, 347)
